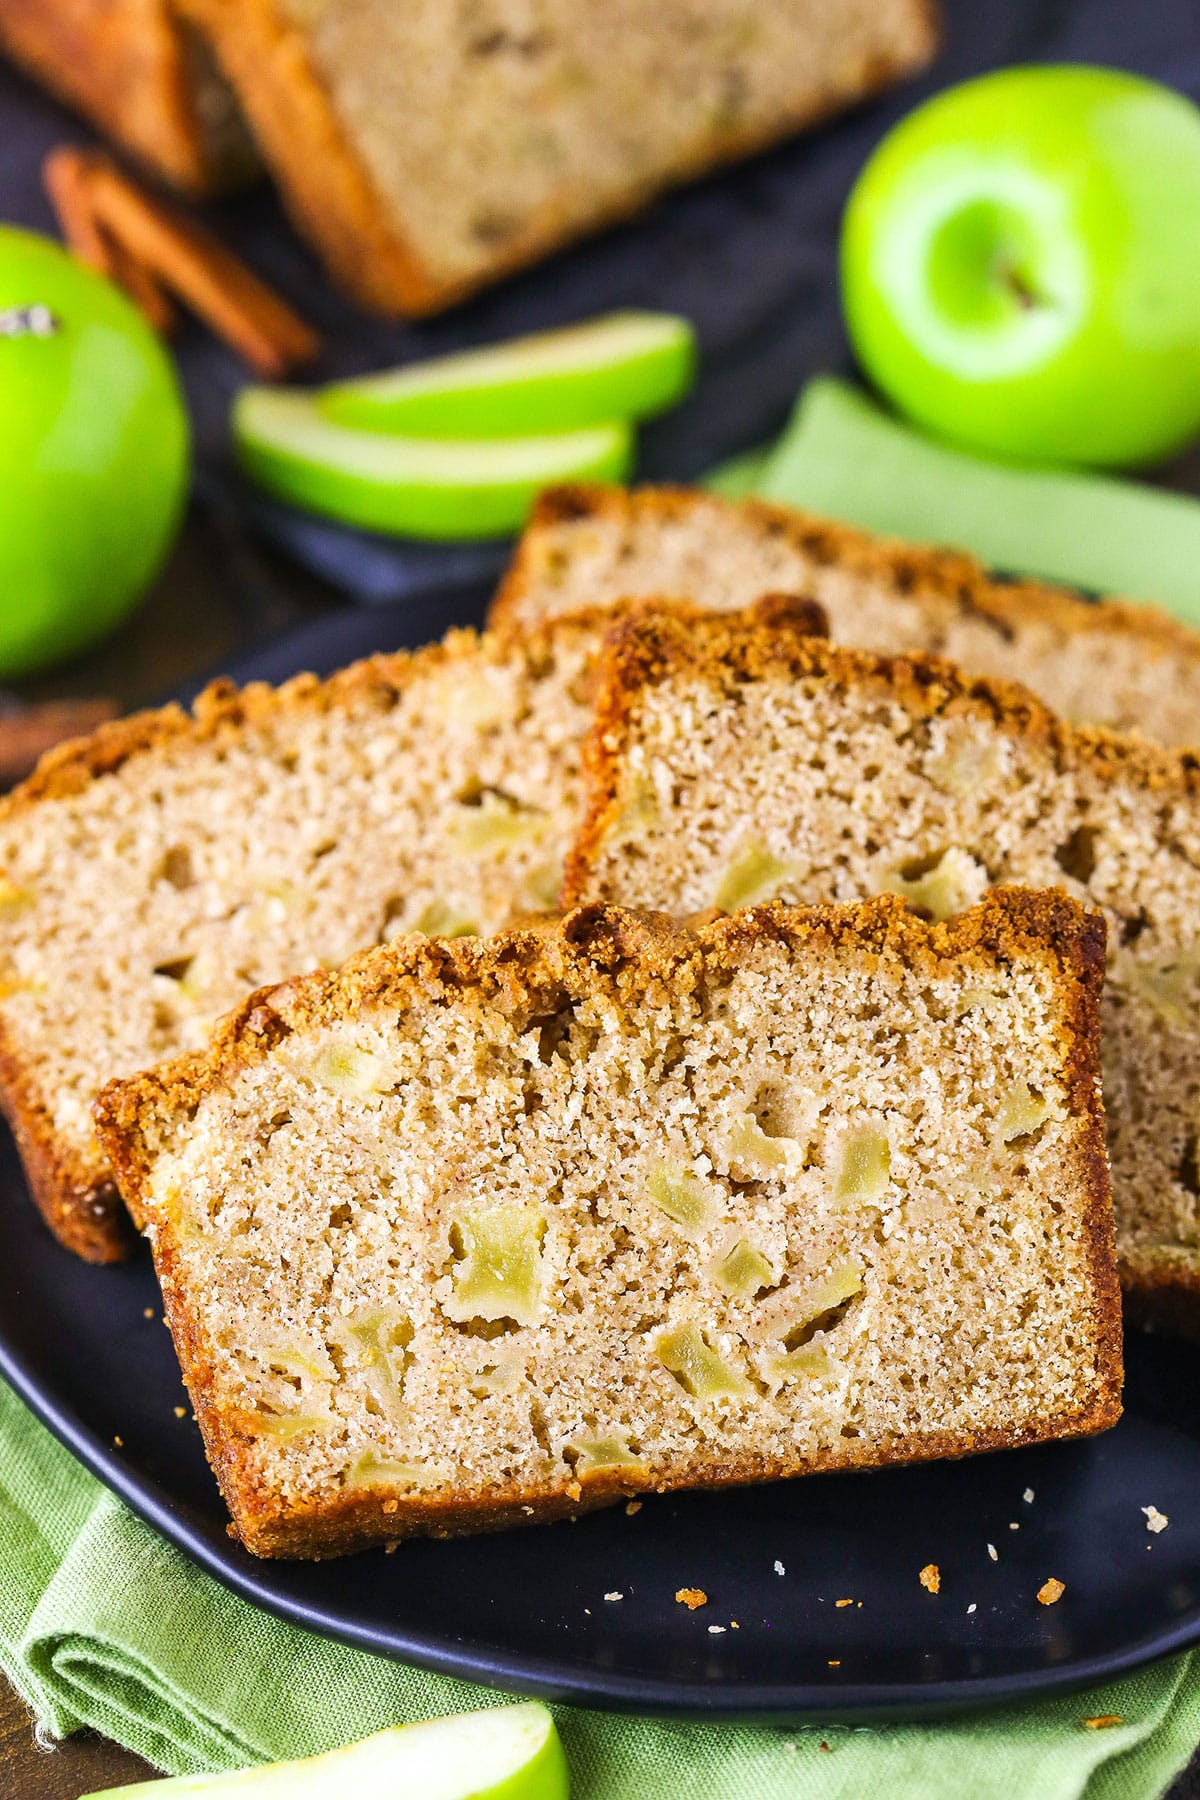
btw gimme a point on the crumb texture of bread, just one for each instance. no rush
(732, 766)
(470, 1233)
(143, 76)
(1117, 664)
(150, 876)
(430, 148)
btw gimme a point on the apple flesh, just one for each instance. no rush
(507, 1753)
(627, 365)
(439, 489)
(1020, 263)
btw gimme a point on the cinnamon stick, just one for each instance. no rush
(190, 262)
(153, 252)
(66, 173)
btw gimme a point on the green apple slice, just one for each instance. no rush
(507, 1753)
(626, 365)
(412, 487)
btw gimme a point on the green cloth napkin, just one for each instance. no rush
(843, 457)
(103, 1623)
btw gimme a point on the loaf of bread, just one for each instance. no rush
(427, 149)
(480, 1232)
(142, 75)
(1117, 664)
(735, 763)
(154, 873)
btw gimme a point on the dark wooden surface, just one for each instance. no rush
(215, 598)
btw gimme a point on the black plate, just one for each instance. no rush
(527, 1611)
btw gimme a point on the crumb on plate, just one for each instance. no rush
(930, 1578)
(1051, 1590)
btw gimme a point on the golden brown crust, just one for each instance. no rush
(334, 203)
(131, 67)
(648, 646)
(533, 970)
(916, 571)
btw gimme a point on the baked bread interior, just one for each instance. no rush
(477, 1232)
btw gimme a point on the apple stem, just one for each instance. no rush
(1019, 287)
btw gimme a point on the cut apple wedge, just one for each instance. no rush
(627, 365)
(412, 487)
(507, 1753)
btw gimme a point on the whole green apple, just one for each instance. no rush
(93, 454)
(1021, 266)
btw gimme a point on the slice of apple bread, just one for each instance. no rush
(156, 872)
(471, 1233)
(1125, 666)
(734, 762)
